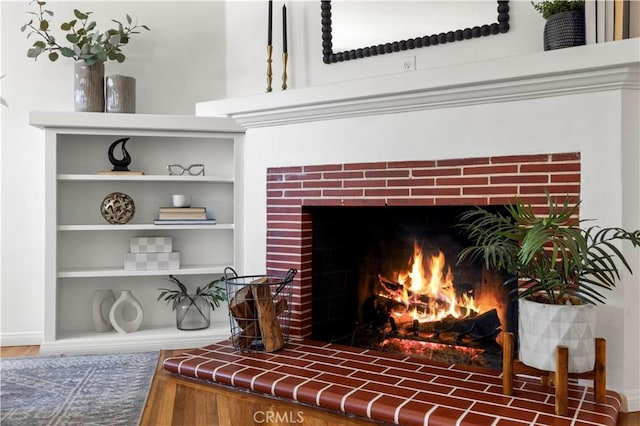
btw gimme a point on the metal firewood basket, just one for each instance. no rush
(259, 310)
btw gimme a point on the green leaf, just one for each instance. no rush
(44, 25)
(33, 52)
(65, 26)
(146, 28)
(72, 38)
(41, 44)
(53, 56)
(129, 20)
(91, 26)
(66, 52)
(80, 15)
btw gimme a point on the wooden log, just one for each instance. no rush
(251, 333)
(270, 330)
(242, 305)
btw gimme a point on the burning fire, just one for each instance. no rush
(427, 292)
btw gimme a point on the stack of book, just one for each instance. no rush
(183, 216)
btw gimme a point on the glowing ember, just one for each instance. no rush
(426, 292)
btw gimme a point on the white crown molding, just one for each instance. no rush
(606, 66)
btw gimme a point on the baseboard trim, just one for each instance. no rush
(21, 339)
(630, 400)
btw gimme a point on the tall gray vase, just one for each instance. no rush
(120, 94)
(88, 92)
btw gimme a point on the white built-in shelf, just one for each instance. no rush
(143, 227)
(120, 272)
(145, 178)
(84, 253)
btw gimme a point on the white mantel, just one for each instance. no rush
(566, 71)
(583, 99)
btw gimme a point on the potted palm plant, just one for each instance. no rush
(193, 309)
(85, 44)
(565, 26)
(562, 271)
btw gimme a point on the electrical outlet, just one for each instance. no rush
(409, 63)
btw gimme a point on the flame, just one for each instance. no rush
(428, 292)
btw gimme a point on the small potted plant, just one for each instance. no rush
(561, 270)
(87, 46)
(192, 309)
(565, 25)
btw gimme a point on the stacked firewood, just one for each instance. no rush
(256, 312)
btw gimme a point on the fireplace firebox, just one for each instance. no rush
(386, 278)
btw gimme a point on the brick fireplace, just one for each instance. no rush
(303, 144)
(482, 181)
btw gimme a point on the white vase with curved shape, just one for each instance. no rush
(126, 313)
(101, 305)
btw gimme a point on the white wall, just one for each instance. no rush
(196, 51)
(178, 63)
(246, 58)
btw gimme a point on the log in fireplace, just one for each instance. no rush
(386, 278)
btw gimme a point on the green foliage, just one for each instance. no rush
(211, 292)
(548, 255)
(86, 43)
(551, 7)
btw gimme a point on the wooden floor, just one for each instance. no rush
(169, 403)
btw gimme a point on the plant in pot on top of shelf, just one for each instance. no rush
(193, 309)
(87, 46)
(565, 26)
(561, 270)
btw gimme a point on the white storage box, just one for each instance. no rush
(151, 261)
(151, 245)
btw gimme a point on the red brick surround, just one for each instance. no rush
(471, 181)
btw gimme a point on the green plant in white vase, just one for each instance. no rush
(192, 309)
(561, 270)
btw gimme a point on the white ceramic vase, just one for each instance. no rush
(126, 313)
(542, 327)
(101, 305)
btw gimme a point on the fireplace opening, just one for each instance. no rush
(386, 278)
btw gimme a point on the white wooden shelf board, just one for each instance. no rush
(142, 227)
(144, 178)
(120, 272)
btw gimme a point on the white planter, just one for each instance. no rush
(542, 327)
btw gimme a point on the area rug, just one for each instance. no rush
(75, 390)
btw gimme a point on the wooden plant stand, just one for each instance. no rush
(560, 378)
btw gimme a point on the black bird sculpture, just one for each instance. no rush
(122, 164)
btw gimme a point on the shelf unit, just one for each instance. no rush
(84, 253)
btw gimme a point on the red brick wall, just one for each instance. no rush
(471, 181)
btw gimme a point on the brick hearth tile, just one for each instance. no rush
(346, 381)
(358, 401)
(244, 378)
(335, 369)
(492, 397)
(509, 422)
(412, 413)
(263, 382)
(383, 378)
(384, 408)
(475, 419)
(286, 387)
(444, 416)
(332, 396)
(426, 386)
(444, 400)
(382, 388)
(308, 391)
(415, 375)
(502, 411)
(225, 374)
(357, 365)
(481, 387)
